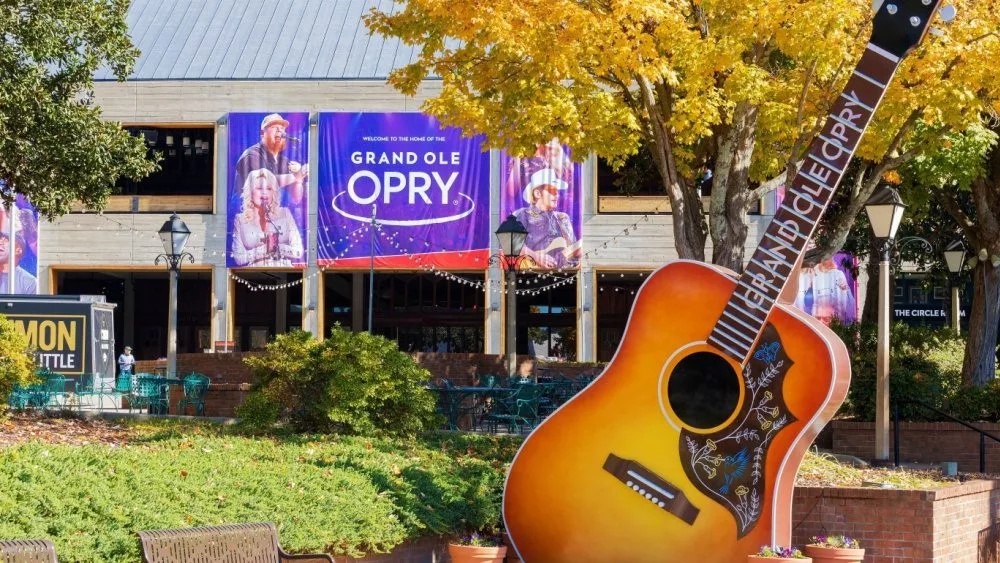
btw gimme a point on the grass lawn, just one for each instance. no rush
(341, 495)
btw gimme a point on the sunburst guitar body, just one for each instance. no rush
(562, 503)
(685, 448)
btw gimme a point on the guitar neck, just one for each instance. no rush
(806, 198)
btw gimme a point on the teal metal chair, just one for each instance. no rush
(90, 386)
(195, 389)
(20, 397)
(489, 380)
(517, 411)
(55, 391)
(147, 393)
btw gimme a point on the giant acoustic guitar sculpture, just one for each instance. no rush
(685, 449)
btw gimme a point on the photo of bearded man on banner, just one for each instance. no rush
(268, 194)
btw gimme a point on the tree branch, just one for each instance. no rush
(772, 184)
(793, 154)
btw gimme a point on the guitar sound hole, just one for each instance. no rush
(703, 390)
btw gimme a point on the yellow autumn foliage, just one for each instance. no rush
(523, 71)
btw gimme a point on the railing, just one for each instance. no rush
(895, 430)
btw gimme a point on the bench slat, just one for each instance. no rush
(27, 551)
(231, 543)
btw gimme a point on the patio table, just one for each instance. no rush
(451, 399)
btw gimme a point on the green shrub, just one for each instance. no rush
(17, 360)
(924, 365)
(344, 495)
(352, 382)
(258, 412)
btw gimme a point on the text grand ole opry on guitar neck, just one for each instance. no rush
(685, 449)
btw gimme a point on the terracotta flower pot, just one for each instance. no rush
(473, 554)
(821, 554)
(759, 559)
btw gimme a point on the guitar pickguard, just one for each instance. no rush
(728, 465)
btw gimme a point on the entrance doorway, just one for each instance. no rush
(141, 315)
(265, 304)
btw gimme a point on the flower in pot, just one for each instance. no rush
(842, 549)
(776, 554)
(477, 547)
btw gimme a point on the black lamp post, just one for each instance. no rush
(885, 213)
(174, 234)
(954, 257)
(511, 234)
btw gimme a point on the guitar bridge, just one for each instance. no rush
(650, 486)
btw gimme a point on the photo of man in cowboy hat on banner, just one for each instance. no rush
(543, 193)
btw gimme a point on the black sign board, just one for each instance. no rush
(72, 336)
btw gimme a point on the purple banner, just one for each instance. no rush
(21, 227)
(429, 187)
(268, 190)
(543, 193)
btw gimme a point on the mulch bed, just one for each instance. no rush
(20, 428)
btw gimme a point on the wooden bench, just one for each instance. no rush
(27, 551)
(232, 543)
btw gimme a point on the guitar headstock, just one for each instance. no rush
(901, 24)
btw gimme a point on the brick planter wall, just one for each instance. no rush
(423, 550)
(925, 442)
(939, 526)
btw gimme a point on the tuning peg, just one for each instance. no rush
(947, 13)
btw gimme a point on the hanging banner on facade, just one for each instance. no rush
(427, 185)
(19, 247)
(268, 177)
(828, 290)
(543, 193)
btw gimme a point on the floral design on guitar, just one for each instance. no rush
(728, 465)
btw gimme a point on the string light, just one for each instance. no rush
(557, 277)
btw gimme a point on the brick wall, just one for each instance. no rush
(940, 526)
(231, 378)
(925, 442)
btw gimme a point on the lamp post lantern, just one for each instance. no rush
(954, 257)
(511, 235)
(885, 212)
(174, 234)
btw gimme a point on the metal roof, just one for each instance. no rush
(260, 40)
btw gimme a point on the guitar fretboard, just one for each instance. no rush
(806, 197)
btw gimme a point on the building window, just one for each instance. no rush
(338, 291)
(616, 293)
(637, 177)
(546, 322)
(186, 162)
(429, 313)
(636, 187)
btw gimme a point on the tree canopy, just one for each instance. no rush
(54, 147)
(738, 86)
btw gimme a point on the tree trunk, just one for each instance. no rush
(689, 225)
(981, 347)
(731, 187)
